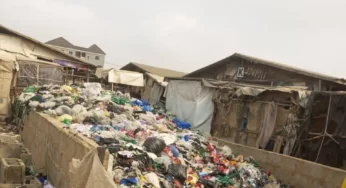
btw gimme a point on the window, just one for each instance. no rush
(70, 52)
(78, 54)
(97, 57)
(83, 54)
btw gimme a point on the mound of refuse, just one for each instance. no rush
(151, 147)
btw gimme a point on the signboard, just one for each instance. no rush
(240, 73)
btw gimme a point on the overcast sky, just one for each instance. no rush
(188, 34)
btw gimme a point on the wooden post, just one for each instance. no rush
(38, 74)
(112, 87)
(88, 76)
(72, 74)
(66, 73)
(319, 85)
(325, 128)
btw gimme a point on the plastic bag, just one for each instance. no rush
(147, 108)
(182, 124)
(65, 118)
(79, 113)
(186, 145)
(168, 138)
(92, 90)
(148, 117)
(77, 109)
(115, 108)
(154, 145)
(29, 89)
(107, 141)
(66, 88)
(165, 160)
(144, 161)
(47, 105)
(206, 183)
(25, 96)
(225, 150)
(33, 104)
(120, 100)
(38, 98)
(178, 171)
(118, 175)
(152, 178)
(61, 110)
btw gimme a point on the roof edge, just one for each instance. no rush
(45, 45)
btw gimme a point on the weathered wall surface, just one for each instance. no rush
(53, 147)
(260, 74)
(90, 56)
(297, 172)
(18, 45)
(229, 116)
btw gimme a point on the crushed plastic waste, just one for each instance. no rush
(151, 147)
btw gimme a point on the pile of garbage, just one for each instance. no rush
(151, 147)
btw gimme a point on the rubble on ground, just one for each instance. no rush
(151, 147)
(16, 169)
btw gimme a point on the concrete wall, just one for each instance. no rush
(294, 171)
(53, 147)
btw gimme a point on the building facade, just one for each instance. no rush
(246, 69)
(93, 54)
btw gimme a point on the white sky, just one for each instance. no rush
(188, 34)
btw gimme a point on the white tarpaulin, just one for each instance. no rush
(126, 77)
(191, 102)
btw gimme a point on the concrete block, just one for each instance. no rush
(30, 182)
(9, 137)
(10, 149)
(25, 156)
(12, 171)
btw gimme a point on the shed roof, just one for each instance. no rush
(272, 64)
(154, 70)
(10, 31)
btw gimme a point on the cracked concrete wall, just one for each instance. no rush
(53, 147)
(291, 170)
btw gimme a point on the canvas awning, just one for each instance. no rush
(125, 77)
(158, 79)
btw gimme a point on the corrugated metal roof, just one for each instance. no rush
(76, 60)
(272, 64)
(158, 79)
(154, 70)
